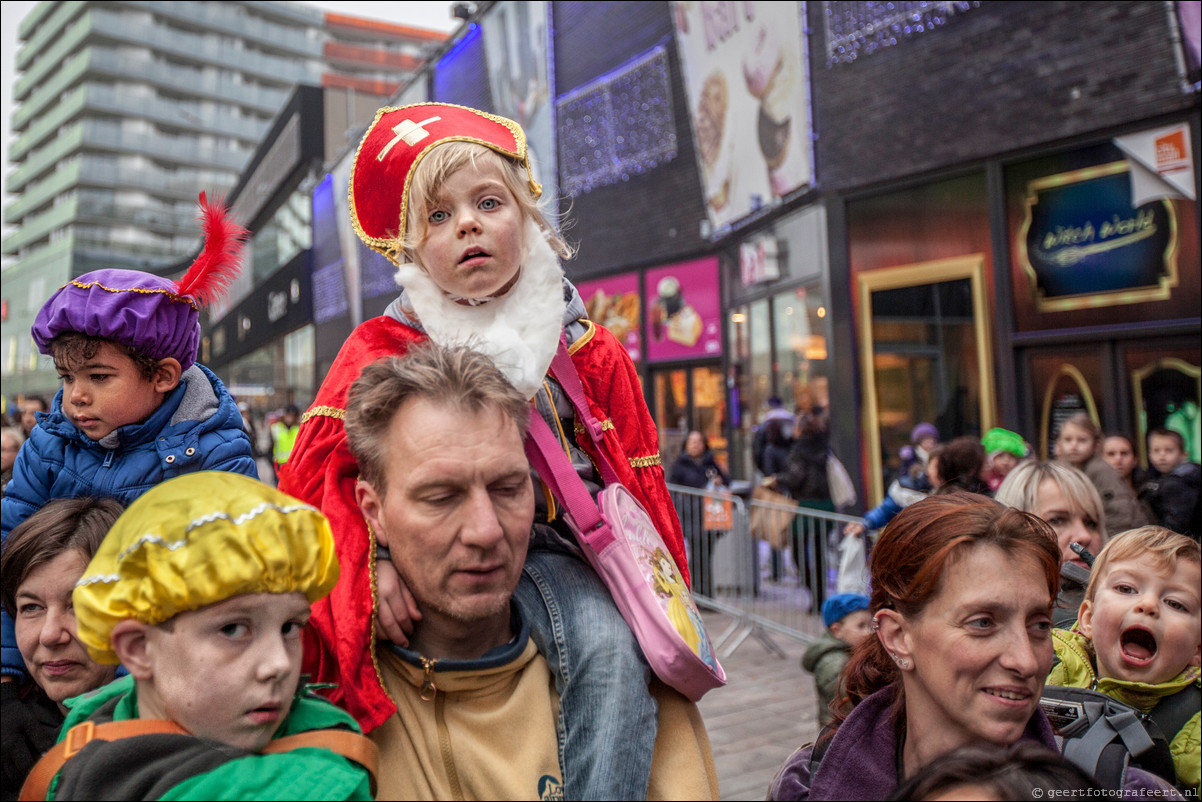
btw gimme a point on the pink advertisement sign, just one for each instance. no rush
(684, 315)
(614, 303)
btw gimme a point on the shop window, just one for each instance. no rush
(687, 399)
(1166, 385)
(799, 330)
(926, 355)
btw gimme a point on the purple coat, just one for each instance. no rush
(861, 761)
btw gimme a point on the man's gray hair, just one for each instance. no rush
(454, 377)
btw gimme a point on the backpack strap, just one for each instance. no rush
(821, 744)
(45, 770)
(350, 745)
(1174, 711)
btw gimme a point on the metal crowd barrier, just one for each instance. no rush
(768, 591)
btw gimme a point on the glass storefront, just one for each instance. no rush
(926, 355)
(778, 348)
(278, 374)
(688, 398)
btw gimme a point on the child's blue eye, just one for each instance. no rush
(489, 204)
(438, 216)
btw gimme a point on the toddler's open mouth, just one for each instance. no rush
(1138, 646)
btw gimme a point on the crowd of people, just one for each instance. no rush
(411, 616)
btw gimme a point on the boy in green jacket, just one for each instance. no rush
(202, 591)
(847, 623)
(1137, 636)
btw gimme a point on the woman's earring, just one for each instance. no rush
(903, 664)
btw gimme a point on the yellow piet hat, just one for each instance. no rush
(197, 540)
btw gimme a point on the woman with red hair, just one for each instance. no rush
(961, 602)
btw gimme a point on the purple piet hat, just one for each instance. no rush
(153, 315)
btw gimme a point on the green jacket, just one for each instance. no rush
(1075, 668)
(825, 658)
(185, 767)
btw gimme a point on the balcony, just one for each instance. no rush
(70, 74)
(48, 31)
(42, 193)
(204, 49)
(187, 81)
(123, 103)
(39, 162)
(181, 185)
(47, 125)
(39, 226)
(182, 150)
(51, 54)
(223, 17)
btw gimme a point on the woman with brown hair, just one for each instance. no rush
(962, 591)
(43, 559)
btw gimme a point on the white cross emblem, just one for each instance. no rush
(410, 132)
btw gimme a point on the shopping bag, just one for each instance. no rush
(853, 566)
(716, 511)
(843, 492)
(768, 522)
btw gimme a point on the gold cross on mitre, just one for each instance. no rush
(410, 132)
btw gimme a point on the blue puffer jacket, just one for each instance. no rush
(197, 428)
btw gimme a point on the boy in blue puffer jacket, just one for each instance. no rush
(135, 408)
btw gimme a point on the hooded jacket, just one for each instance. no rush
(1076, 668)
(197, 428)
(825, 658)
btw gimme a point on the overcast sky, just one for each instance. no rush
(434, 14)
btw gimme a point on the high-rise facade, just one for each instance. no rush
(125, 111)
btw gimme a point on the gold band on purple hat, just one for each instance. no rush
(396, 141)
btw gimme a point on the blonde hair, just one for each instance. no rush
(1020, 489)
(443, 161)
(1082, 421)
(1164, 546)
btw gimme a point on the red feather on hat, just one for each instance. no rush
(220, 260)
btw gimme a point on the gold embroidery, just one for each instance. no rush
(375, 609)
(329, 412)
(646, 462)
(607, 425)
(173, 296)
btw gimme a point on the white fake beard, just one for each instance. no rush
(519, 330)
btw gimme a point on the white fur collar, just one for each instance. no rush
(519, 331)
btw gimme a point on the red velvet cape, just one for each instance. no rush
(340, 640)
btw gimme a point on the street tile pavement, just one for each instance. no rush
(767, 709)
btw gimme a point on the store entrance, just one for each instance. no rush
(1128, 387)
(686, 398)
(927, 356)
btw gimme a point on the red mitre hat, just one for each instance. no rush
(389, 152)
